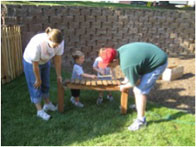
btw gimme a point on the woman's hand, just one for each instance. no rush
(37, 83)
(59, 79)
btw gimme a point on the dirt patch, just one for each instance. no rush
(179, 93)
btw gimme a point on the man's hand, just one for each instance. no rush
(125, 88)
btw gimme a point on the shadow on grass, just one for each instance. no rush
(168, 118)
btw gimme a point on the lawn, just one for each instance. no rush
(88, 4)
(90, 126)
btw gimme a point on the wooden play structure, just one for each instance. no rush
(99, 85)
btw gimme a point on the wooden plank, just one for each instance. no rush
(124, 102)
(93, 83)
(87, 87)
(99, 82)
(83, 82)
(104, 82)
(77, 81)
(109, 82)
(18, 60)
(114, 82)
(88, 83)
(20, 48)
(118, 82)
(10, 68)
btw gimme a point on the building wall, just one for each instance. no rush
(88, 28)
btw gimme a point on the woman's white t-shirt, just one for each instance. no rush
(39, 50)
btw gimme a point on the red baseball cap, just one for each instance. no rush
(107, 57)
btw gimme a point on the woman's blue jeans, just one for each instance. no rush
(36, 94)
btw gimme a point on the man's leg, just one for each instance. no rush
(140, 100)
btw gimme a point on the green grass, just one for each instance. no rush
(85, 4)
(91, 126)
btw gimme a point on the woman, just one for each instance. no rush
(36, 61)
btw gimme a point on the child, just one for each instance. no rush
(102, 72)
(78, 73)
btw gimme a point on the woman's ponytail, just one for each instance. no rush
(55, 35)
(48, 30)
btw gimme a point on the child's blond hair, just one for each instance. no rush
(77, 54)
(100, 51)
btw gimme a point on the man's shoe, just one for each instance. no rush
(137, 124)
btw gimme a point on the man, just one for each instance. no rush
(138, 61)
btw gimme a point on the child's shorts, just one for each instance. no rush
(148, 80)
(75, 92)
(36, 95)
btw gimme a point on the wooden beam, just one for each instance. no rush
(60, 96)
(89, 87)
(124, 102)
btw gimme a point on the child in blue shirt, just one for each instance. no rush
(78, 73)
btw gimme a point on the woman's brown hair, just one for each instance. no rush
(55, 35)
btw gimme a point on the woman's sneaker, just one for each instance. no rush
(42, 114)
(99, 100)
(77, 104)
(110, 98)
(137, 124)
(50, 107)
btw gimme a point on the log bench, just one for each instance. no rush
(98, 85)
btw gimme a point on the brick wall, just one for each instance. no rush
(88, 29)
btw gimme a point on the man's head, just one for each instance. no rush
(108, 58)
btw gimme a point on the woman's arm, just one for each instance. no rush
(38, 81)
(57, 63)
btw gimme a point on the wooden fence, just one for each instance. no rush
(11, 53)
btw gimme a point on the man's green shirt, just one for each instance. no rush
(139, 58)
